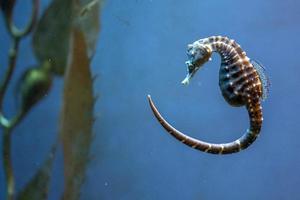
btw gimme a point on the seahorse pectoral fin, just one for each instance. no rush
(266, 83)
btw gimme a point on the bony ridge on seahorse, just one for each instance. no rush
(242, 82)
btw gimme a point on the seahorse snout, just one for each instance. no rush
(191, 69)
(186, 81)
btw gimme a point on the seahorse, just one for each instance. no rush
(242, 81)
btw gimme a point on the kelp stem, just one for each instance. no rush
(7, 162)
(8, 125)
(11, 66)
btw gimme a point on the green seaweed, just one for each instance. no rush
(77, 117)
(63, 48)
(51, 39)
(38, 186)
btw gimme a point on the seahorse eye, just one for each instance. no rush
(191, 67)
(203, 51)
(197, 54)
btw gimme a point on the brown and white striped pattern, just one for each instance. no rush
(240, 85)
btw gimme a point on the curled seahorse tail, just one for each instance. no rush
(255, 115)
(226, 148)
(177, 134)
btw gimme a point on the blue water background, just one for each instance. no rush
(141, 51)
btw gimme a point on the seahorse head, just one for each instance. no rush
(198, 53)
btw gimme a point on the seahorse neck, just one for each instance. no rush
(225, 47)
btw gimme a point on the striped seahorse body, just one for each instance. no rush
(242, 83)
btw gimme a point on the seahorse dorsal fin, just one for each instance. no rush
(261, 70)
